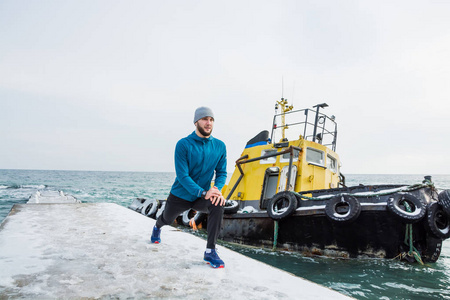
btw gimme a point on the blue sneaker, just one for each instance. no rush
(213, 259)
(155, 235)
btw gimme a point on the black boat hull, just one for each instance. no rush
(374, 234)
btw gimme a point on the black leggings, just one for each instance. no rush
(175, 206)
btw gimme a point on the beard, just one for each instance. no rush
(203, 132)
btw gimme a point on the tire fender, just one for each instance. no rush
(187, 215)
(231, 207)
(282, 205)
(160, 210)
(149, 208)
(343, 209)
(438, 222)
(444, 200)
(137, 204)
(396, 206)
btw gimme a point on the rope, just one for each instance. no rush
(426, 183)
(275, 235)
(413, 252)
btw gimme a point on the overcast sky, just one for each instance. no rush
(113, 85)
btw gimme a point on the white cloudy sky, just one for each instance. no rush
(112, 85)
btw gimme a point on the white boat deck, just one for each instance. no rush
(103, 251)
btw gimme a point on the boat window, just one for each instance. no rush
(285, 157)
(331, 163)
(268, 160)
(314, 156)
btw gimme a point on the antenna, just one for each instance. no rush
(282, 86)
(293, 92)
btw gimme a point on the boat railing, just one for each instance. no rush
(317, 127)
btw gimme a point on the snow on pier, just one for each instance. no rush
(102, 251)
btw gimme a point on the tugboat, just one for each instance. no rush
(287, 192)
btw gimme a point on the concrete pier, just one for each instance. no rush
(103, 251)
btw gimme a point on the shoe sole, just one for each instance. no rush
(215, 266)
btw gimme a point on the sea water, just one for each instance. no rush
(359, 278)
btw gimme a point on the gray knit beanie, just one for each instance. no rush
(202, 112)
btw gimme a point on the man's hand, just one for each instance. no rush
(215, 196)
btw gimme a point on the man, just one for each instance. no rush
(197, 157)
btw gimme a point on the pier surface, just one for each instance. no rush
(102, 250)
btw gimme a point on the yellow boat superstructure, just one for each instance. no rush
(266, 168)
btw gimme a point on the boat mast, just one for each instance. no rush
(283, 103)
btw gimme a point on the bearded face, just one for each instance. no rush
(205, 126)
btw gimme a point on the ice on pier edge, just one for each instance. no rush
(96, 250)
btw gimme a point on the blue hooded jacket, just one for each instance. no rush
(196, 160)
